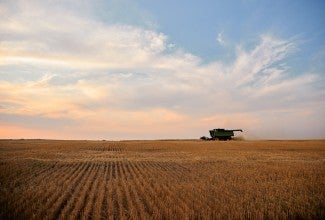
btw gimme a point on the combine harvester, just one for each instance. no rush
(221, 134)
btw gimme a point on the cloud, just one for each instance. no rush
(72, 40)
(124, 81)
(220, 38)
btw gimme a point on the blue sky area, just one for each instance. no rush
(122, 69)
(195, 25)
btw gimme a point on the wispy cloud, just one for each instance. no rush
(220, 38)
(127, 81)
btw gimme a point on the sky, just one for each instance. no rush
(142, 69)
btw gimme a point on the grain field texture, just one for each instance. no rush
(181, 179)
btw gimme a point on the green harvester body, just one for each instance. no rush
(222, 134)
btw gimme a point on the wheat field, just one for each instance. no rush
(180, 179)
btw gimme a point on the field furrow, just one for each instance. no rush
(137, 189)
(79, 208)
(91, 195)
(126, 183)
(97, 208)
(147, 192)
(109, 188)
(120, 198)
(35, 194)
(132, 188)
(71, 201)
(53, 190)
(59, 199)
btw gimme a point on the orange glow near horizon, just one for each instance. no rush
(15, 132)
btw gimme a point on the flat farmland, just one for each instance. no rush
(48, 179)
